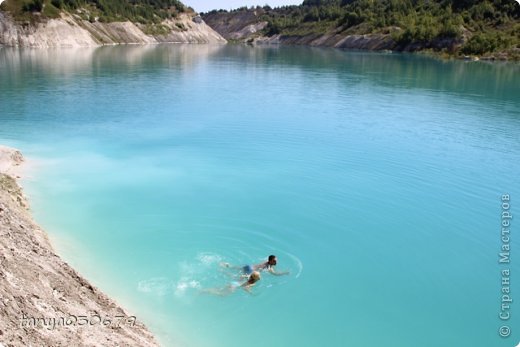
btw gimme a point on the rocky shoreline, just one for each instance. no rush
(43, 301)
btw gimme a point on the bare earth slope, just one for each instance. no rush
(248, 26)
(236, 26)
(36, 283)
(72, 31)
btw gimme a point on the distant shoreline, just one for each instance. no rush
(437, 30)
(43, 300)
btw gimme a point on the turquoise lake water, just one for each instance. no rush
(375, 178)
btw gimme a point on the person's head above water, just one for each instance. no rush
(271, 260)
(254, 277)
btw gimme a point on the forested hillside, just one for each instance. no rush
(473, 27)
(139, 11)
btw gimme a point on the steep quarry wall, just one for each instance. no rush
(72, 31)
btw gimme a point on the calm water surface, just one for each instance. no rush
(375, 178)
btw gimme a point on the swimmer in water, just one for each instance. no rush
(267, 266)
(252, 279)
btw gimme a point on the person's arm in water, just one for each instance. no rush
(276, 273)
(269, 266)
(247, 287)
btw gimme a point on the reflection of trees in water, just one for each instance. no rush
(480, 79)
(25, 62)
(26, 72)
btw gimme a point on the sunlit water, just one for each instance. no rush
(375, 178)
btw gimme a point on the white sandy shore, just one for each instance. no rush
(10, 161)
(43, 301)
